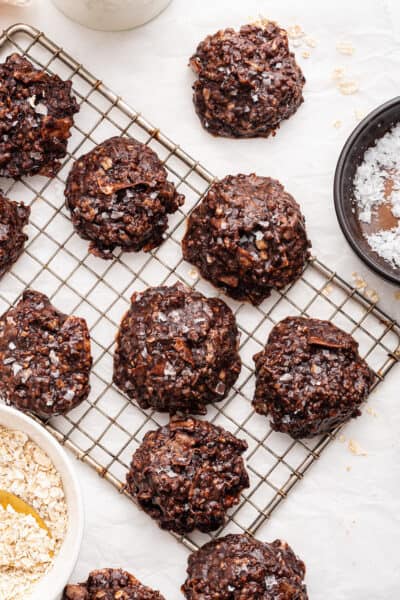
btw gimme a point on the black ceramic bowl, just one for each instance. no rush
(374, 126)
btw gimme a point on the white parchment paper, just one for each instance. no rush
(343, 519)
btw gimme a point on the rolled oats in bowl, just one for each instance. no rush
(28, 544)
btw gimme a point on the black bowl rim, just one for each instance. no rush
(338, 199)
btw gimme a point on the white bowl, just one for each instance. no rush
(111, 15)
(51, 585)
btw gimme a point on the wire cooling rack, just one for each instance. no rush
(106, 429)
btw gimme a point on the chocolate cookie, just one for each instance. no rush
(248, 81)
(310, 377)
(247, 236)
(119, 196)
(239, 567)
(36, 115)
(13, 218)
(110, 584)
(176, 350)
(188, 474)
(45, 357)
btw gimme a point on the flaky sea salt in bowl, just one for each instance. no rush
(367, 190)
(51, 585)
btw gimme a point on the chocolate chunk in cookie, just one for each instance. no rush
(241, 567)
(247, 236)
(45, 357)
(248, 81)
(36, 115)
(310, 377)
(188, 474)
(119, 196)
(110, 584)
(176, 350)
(13, 218)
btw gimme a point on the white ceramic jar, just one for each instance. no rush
(111, 15)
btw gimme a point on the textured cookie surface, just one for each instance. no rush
(187, 475)
(310, 377)
(247, 236)
(36, 115)
(241, 567)
(45, 358)
(119, 196)
(248, 81)
(176, 350)
(13, 218)
(110, 584)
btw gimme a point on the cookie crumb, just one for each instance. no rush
(341, 438)
(359, 114)
(337, 124)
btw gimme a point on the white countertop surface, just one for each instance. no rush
(345, 524)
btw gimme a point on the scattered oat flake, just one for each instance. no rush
(338, 74)
(260, 21)
(348, 468)
(348, 87)
(328, 289)
(344, 84)
(337, 124)
(397, 295)
(371, 411)
(295, 32)
(359, 114)
(359, 283)
(306, 54)
(341, 438)
(311, 42)
(345, 47)
(372, 295)
(193, 273)
(356, 449)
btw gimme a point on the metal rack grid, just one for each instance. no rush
(105, 430)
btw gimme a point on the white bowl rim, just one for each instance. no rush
(53, 583)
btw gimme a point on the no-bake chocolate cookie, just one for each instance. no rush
(13, 218)
(119, 196)
(110, 584)
(45, 357)
(36, 115)
(176, 350)
(188, 474)
(310, 377)
(241, 567)
(247, 236)
(248, 81)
